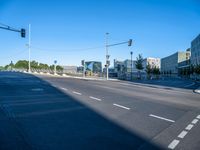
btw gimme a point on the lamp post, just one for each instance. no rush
(107, 56)
(131, 64)
(29, 49)
(55, 62)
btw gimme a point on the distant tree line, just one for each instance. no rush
(23, 64)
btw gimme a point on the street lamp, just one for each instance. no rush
(107, 56)
(29, 49)
(131, 63)
(55, 62)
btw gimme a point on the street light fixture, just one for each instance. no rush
(107, 57)
(131, 64)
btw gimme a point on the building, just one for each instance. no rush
(93, 66)
(124, 66)
(170, 64)
(153, 62)
(118, 65)
(195, 51)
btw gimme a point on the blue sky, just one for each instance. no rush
(65, 30)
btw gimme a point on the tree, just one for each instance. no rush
(148, 69)
(22, 64)
(138, 63)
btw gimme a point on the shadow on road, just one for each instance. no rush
(35, 115)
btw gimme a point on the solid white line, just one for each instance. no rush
(173, 144)
(182, 134)
(121, 106)
(151, 115)
(189, 127)
(195, 121)
(198, 117)
(95, 98)
(77, 93)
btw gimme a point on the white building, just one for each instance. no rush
(153, 62)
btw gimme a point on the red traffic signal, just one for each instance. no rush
(23, 33)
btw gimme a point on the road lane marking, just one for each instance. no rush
(194, 121)
(95, 98)
(121, 106)
(189, 127)
(173, 144)
(151, 115)
(182, 134)
(64, 89)
(77, 93)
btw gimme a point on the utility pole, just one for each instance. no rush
(29, 49)
(131, 65)
(107, 56)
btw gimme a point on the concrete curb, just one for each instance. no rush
(197, 90)
(74, 77)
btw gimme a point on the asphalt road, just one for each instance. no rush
(46, 112)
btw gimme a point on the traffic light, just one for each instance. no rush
(23, 33)
(130, 42)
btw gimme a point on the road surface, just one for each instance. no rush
(48, 113)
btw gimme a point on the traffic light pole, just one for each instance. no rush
(107, 56)
(22, 31)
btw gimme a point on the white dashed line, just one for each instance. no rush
(121, 106)
(182, 134)
(151, 115)
(95, 98)
(173, 144)
(77, 93)
(189, 127)
(64, 89)
(194, 121)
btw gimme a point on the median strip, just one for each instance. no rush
(121, 106)
(77, 93)
(94, 98)
(162, 118)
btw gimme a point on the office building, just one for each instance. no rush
(195, 51)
